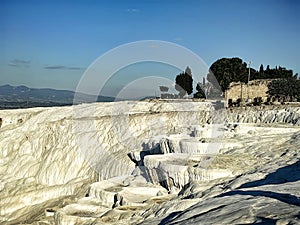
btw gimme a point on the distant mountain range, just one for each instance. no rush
(25, 97)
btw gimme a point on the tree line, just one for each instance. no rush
(226, 70)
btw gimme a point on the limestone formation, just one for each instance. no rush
(150, 163)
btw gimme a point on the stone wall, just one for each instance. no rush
(257, 88)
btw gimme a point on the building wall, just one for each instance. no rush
(257, 88)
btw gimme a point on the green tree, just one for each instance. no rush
(227, 70)
(261, 73)
(184, 82)
(200, 93)
(285, 87)
(278, 72)
(261, 69)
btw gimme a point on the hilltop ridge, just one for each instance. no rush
(24, 97)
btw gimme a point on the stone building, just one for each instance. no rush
(255, 89)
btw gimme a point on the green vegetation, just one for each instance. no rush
(200, 93)
(226, 70)
(184, 83)
(277, 72)
(285, 87)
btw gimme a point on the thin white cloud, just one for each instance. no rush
(60, 67)
(75, 68)
(12, 64)
(133, 10)
(178, 39)
(56, 67)
(19, 63)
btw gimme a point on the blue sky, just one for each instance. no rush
(51, 43)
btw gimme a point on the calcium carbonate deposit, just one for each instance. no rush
(150, 162)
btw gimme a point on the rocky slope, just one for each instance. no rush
(126, 162)
(47, 153)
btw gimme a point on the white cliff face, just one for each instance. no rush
(111, 163)
(39, 159)
(55, 150)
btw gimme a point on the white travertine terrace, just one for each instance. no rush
(148, 162)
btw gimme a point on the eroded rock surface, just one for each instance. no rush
(149, 163)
